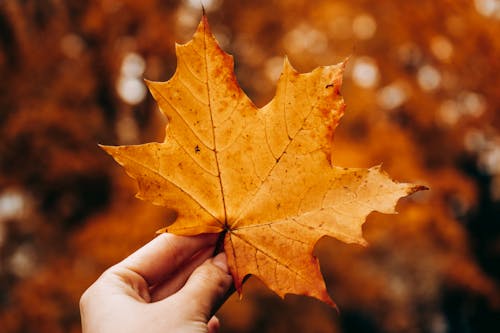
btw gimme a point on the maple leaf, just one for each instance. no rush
(262, 177)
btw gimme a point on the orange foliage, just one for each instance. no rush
(262, 178)
(422, 99)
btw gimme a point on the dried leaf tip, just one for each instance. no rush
(416, 188)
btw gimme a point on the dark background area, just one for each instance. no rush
(422, 94)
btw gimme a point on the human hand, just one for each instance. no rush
(169, 285)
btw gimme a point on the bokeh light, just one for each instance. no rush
(364, 26)
(365, 72)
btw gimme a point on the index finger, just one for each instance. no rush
(165, 254)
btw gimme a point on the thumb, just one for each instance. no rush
(206, 287)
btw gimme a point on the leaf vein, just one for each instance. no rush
(276, 260)
(174, 184)
(183, 119)
(192, 93)
(188, 67)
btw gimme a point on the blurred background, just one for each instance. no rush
(422, 90)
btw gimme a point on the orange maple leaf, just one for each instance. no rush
(264, 177)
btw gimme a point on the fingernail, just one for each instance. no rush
(220, 261)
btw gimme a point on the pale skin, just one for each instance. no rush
(172, 284)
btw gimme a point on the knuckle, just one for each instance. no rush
(209, 273)
(212, 275)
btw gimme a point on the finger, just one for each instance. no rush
(205, 287)
(165, 254)
(213, 325)
(175, 282)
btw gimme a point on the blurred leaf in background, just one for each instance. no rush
(422, 94)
